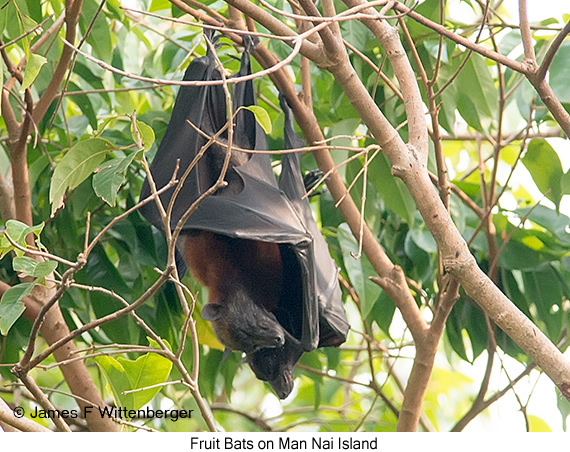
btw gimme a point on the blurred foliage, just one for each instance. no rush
(85, 158)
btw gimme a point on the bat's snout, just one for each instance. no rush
(279, 340)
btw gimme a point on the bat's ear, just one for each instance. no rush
(212, 312)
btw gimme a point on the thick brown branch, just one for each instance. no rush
(17, 147)
(552, 103)
(329, 40)
(308, 49)
(388, 39)
(19, 162)
(7, 208)
(525, 32)
(72, 14)
(18, 424)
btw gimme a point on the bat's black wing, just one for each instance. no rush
(181, 142)
(275, 365)
(333, 326)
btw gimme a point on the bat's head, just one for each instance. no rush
(283, 384)
(275, 365)
(240, 324)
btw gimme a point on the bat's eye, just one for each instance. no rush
(279, 341)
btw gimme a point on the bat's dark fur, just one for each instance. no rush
(244, 282)
(275, 365)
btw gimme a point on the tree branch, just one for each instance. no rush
(41, 399)
(474, 411)
(72, 14)
(525, 32)
(22, 424)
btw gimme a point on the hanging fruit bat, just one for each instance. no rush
(273, 288)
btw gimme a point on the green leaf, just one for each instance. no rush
(11, 308)
(24, 265)
(117, 379)
(147, 370)
(262, 117)
(114, 9)
(158, 5)
(466, 326)
(449, 98)
(480, 88)
(556, 223)
(423, 238)
(511, 288)
(17, 231)
(100, 271)
(518, 256)
(117, 61)
(564, 408)
(354, 32)
(142, 37)
(333, 357)
(342, 127)
(146, 134)
(544, 166)
(469, 112)
(383, 312)
(3, 17)
(359, 270)
(43, 269)
(35, 63)
(171, 56)
(100, 33)
(107, 122)
(392, 190)
(477, 98)
(543, 288)
(30, 267)
(565, 183)
(76, 165)
(35, 10)
(5, 246)
(454, 334)
(125, 375)
(11, 21)
(210, 365)
(559, 72)
(110, 176)
(23, 228)
(86, 74)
